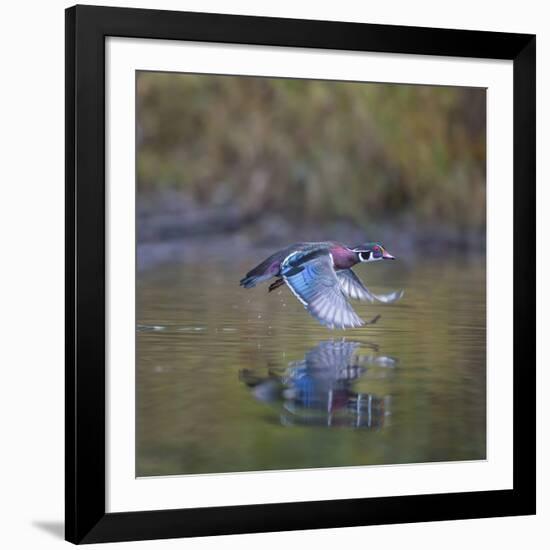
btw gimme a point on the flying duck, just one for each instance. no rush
(320, 276)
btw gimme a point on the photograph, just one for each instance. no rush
(300, 273)
(310, 273)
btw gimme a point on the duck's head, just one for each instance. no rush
(372, 252)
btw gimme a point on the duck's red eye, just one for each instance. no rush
(376, 248)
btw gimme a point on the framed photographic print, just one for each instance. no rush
(300, 274)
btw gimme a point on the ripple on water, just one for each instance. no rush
(196, 334)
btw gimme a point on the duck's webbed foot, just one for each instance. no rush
(373, 320)
(276, 284)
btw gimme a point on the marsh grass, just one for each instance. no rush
(313, 151)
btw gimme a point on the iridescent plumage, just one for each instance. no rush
(320, 276)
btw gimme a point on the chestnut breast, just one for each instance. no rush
(343, 257)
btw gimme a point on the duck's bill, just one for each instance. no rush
(387, 256)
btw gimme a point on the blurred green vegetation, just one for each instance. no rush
(315, 150)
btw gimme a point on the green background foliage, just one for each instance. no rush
(315, 151)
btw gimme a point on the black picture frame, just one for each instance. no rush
(86, 30)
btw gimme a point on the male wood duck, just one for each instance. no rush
(320, 276)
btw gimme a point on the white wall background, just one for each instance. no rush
(31, 299)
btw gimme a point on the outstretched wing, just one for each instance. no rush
(312, 279)
(353, 288)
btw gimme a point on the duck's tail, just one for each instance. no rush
(249, 281)
(257, 275)
(262, 272)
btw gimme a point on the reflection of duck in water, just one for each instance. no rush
(318, 389)
(320, 276)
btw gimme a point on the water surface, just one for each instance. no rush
(233, 380)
